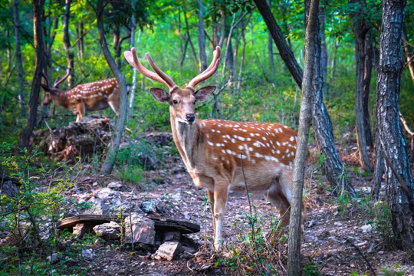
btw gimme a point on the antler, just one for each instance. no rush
(160, 76)
(47, 82)
(209, 71)
(56, 84)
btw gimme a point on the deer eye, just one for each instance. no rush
(175, 102)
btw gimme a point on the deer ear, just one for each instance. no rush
(203, 93)
(160, 94)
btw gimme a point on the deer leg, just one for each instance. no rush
(220, 199)
(277, 197)
(210, 195)
(113, 102)
(80, 111)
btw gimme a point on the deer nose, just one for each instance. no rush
(190, 118)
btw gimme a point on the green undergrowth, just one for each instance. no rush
(31, 203)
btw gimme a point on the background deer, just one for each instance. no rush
(84, 97)
(213, 150)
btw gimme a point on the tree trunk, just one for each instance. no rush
(390, 132)
(270, 45)
(334, 169)
(324, 51)
(108, 164)
(201, 39)
(66, 42)
(19, 62)
(24, 137)
(189, 39)
(362, 29)
(134, 74)
(305, 118)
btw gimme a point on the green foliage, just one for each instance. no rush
(312, 269)
(382, 222)
(29, 214)
(252, 252)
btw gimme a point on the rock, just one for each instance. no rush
(88, 254)
(148, 207)
(366, 228)
(160, 139)
(81, 229)
(98, 207)
(54, 258)
(172, 236)
(115, 185)
(108, 231)
(143, 229)
(337, 223)
(168, 251)
(8, 188)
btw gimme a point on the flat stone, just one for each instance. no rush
(143, 229)
(168, 251)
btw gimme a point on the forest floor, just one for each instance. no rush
(341, 236)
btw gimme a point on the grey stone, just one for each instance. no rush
(115, 185)
(108, 231)
(88, 254)
(143, 230)
(54, 258)
(172, 236)
(168, 251)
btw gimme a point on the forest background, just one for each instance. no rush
(254, 83)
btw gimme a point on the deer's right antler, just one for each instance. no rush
(160, 76)
(57, 82)
(209, 71)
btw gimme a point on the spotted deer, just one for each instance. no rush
(84, 97)
(217, 152)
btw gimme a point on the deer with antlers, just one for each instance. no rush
(221, 155)
(92, 96)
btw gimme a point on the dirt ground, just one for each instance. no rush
(339, 239)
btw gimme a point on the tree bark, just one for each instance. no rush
(363, 77)
(270, 45)
(24, 137)
(324, 51)
(305, 118)
(66, 42)
(19, 62)
(201, 39)
(108, 164)
(390, 132)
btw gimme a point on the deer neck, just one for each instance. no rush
(60, 98)
(186, 140)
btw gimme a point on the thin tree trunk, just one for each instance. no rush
(270, 45)
(19, 62)
(189, 39)
(108, 164)
(334, 169)
(284, 50)
(66, 41)
(24, 137)
(362, 29)
(390, 132)
(324, 51)
(305, 118)
(201, 39)
(368, 63)
(408, 54)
